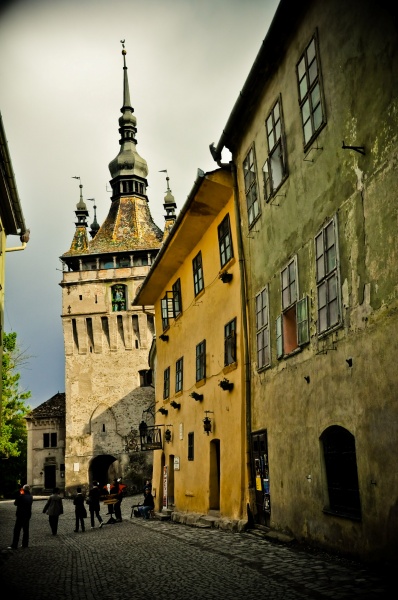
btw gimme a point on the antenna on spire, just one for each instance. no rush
(167, 179)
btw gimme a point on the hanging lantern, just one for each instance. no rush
(167, 435)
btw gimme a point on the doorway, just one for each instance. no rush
(49, 477)
(260, 468)
(98, 469)
(214, 496)
(170, 483)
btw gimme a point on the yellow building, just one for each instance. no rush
(199, 357)
(11, 219)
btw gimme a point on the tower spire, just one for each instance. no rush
(128, 170)
(80, 240)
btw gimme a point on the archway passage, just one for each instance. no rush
(99, 467)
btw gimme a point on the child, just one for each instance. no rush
(80, 510)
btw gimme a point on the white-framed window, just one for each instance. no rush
(292, 325)
(262, 329)
(328, 277)
(275, 167)
(250, 177)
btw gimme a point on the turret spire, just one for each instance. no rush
(80, 240)
(128, 170)
(94, 225)
(169, 206)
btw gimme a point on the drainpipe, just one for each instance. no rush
(22, 247)
(242, 271)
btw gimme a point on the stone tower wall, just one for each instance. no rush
(104, 352)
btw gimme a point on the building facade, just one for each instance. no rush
(107, 338)
(12, 221)
(194, 285)
(46, 445)
(313, 138)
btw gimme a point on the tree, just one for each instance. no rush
(13, 434)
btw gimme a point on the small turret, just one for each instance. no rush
(80, 240)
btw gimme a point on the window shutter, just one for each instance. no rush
(303, 333)
(279, 337)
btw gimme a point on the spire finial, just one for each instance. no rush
(80, 205)
(94, 225)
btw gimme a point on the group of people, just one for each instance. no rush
(54, 508)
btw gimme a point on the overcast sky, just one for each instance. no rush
(60, 97)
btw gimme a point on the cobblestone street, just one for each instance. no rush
(137, 560)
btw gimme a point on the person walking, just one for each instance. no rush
(23, 502)
(93, 500)
(80, 510)
(54, 508)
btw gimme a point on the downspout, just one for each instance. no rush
(246, 348)
(22, 247)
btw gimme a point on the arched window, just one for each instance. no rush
(341, 471)
(119, 297)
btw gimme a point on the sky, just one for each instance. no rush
(61, 90)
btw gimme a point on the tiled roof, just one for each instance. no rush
(52, 408)
(128, 226)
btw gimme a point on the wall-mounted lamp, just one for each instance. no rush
(207, 422)
(196, 396)
(62, 474)
(164, 338)
(41, 472)
(175, 404)
(349, 361)
(167, 436)
(226, 385)
(307, 378)
(163, 410)
(225, 277)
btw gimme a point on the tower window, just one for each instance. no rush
(118, 297)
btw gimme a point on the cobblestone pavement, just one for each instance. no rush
(161, 560)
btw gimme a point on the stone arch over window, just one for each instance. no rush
(102, 420)
(119, 297)
(339, 453)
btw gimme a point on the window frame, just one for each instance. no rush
(293, 322)
(191, 445)
(177, 298)
(225, 241)
(230, 343)
(276, 147)
(309, 102)
(325, 276)
(263, 346)
(119, 305)
(179, 375)
(166, 383)
(200, 362)
(249, 168)
(197, 268)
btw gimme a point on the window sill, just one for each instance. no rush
(199, 294)
(341, 514)
(229, 368)
(200, 383)
(178, 394)
(227, 265)
(252, 224)
(324, 334)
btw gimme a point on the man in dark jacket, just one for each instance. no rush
(23, 502)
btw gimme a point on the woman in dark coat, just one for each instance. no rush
(80, 510)
(94, 496)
